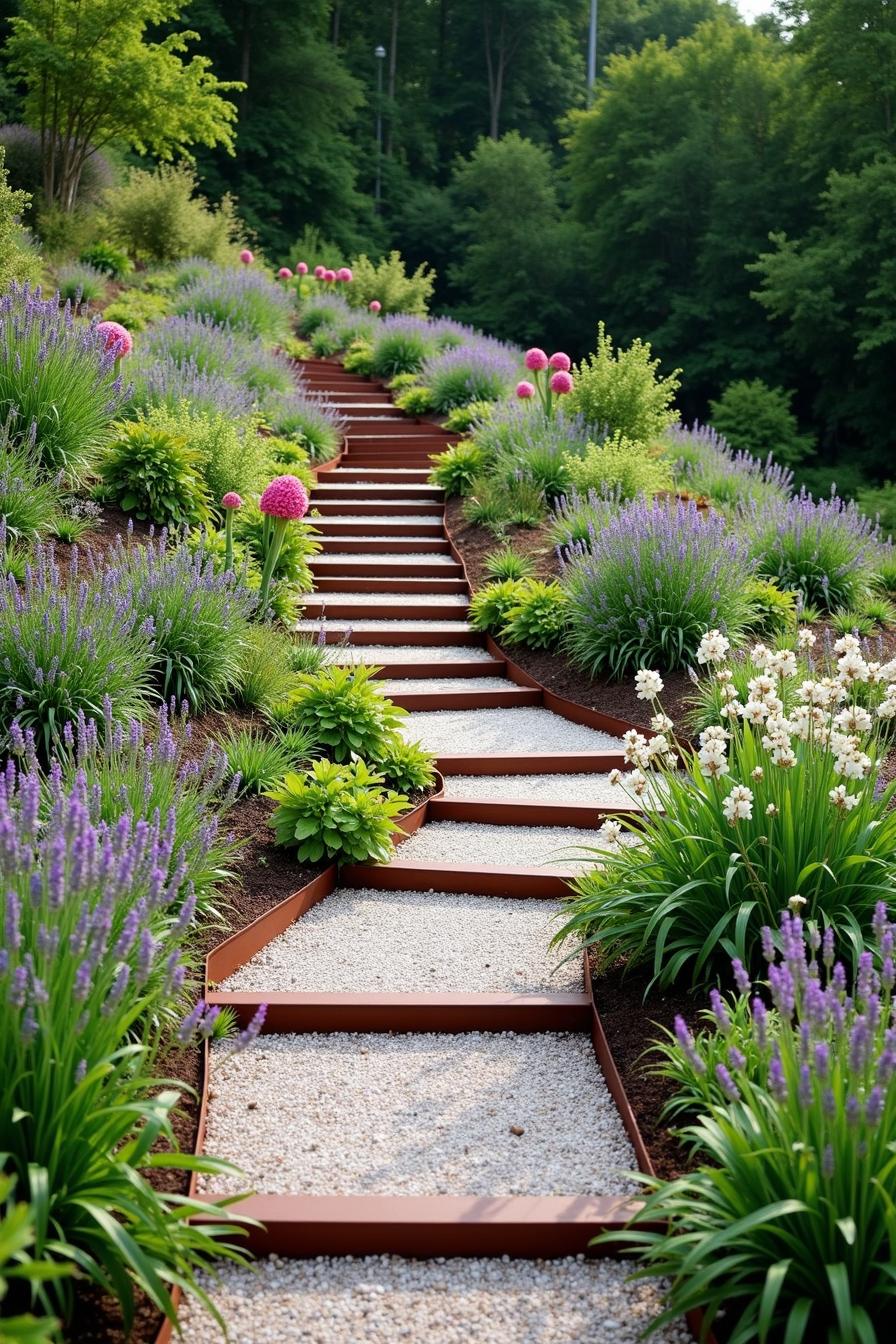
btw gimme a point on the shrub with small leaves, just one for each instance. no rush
(155, 475)
(136, 309)
(460, 419)
(622, 389)
(407, 766)
(457, 468)
(538, 619)
(415, 401)
(359, 358)
(772, 609)
(622, 465)
(349, 716)
(506, 563)
(491, 605)
(334, 811)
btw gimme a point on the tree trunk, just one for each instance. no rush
(245, 58)
(334, 26)
(495, 66)
(390, 86)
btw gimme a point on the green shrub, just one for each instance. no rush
(619, 465)
(853, 623)
(312, 425)
(772, 609)
(325, 342)
(757, 419)
(407, 767)
(539, 617)
(415, 401)
(80, 283)
(623, 391)
(106, 258)
(388, 282)
(457, 468)
(704, 464)
(506, 563)
(333, 811)
(884, 573)
(229, 452)
(400, 349)
(29, 500)
(469, 374)
(155, 475)
(348, 715)
(258, 758)
(266, 676)
(497, 505)
(576, 520)
(768, 810)
(17, 259)
(402, 382)
(306, 655)
(460, 419)
(359, 358)
(879, 609)
(159, 217)
(136, 309)
(491, 605)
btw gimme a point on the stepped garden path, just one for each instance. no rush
(431, 1122)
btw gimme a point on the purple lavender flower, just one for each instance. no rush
(727, 1083)
(686, 1041)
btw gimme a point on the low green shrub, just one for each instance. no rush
(29, 499)
(306, 655)
(407, 767)
(457, 468)
(497, 505)
(159, 216)
(757, 419)
(848, 622)
(461, 419)
(266, 675)
(402, 382)
(506, 563)
(772, 609)
(244, 301)
(21, 1274)
(326, 341)
(136, 309)
(415, 401)
(619, 465)
(491, 605)
(334, 811)
(230, 453)
(359, 358)
(348, 715)
(539, 617)
(388, 282)
(80, 283)
(155, 475)
(107, 258)
(623, 391)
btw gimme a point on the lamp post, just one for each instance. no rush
(380, 54)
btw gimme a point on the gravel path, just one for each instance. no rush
(412, 653)
(375, 520)
(503, 731)
(397, 600)
(549, 847)
(360, 941)
(375, 558)
(416, 1115)
(409, 685)
(382, 1299)
(571, 788)
(447, 627)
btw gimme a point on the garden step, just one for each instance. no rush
(460, 669)
(375, 567)
(476, 879)
(361, 508)
(385, 584)
(433, 633)
(410, 527)
(420, 462)
(533, 812)
(346, 606)
(335, 487)
(531, 763)
(489, 697)
(372, 476)
(432, 660)
(340, 544)
(372, 430)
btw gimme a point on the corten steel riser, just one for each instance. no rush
(411, 584)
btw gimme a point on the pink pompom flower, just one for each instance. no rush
(320, 272)
(561, 382)
(247, 257)
(231, 500)
(285, 497)
(117, 341)
(374, 305)
(344, 274)
(302, 268)
(560, 361)
(284, 273)
(536, 359)
(329, 275)
(525, 390)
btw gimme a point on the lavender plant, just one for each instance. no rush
(165, 382)
(199, 342)
(704, 463)
(478, 370)
(244, 300)
(66, 645)
(824, 549)
(311, 421)
(648, 583)
(81, 283)
(198, 618)
(520, 440)
(787, 1224)
(91, 968)
(55, 374)
(401, 345)
(29, 499)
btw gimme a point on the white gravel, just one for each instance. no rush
(367, 941)
(571, 788)
(550, 847)
(382, 1299)
(375, 558)
(447, 627)
(416, 1115)
(413, 653)
(398, 600)
(502, 732)
(374, 520)
(411, 685)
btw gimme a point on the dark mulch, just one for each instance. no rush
(100, 539)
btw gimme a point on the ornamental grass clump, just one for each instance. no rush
(779, 804)
(648, 583)
(787, 1223)
(244, 300)
(91, 973)
(30, 501)
(56, 373)
(825, 550)
(478, 370)
(68, 645)
(401, 345)
(704, 463)
(314, 424)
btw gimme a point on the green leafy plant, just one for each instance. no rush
(401, 382)
(491, 605)
(399, 350)
(326, 341)
(258, 758)
(497, 506)
(348, 715)
(337, 811)
(229, 452)
(136, 309)
(878, 609)
(457, 468)
(388, 282)
(506, 563)
(160, 216)
(306, 655)
(622, 389)
(461, 419)
(107, 258)
(619, 465)
(757, 419)
(154, 474)
(359, 358)
(772, 609)
(769, 810)
(538, 618)
(18, 1268)
(266, 676)
(29, 500)
(407, 767)
(415, 401)
(848, 622)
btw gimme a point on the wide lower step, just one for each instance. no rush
(438, 670)
(413, 584)
(329, 505)
(343, 609)
(389, 633)
(372, 428)
(334, 486)
(373, 476)
(375, 569)
(342, 544)
(490, 697)
(375, 524)
(476, 878)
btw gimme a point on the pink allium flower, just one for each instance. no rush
(374, 305)
(561, 382)
(302, 268)
(116, 338)
(320, 272)
(344, 274)
(285, 497)
(247, 257)
(525, 390)
(329, 275)
(231, 500)
(284, 273)
(536, 359)
(560, 361)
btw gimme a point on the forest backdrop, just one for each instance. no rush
(729, 195)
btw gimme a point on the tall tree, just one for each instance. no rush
(92, 75)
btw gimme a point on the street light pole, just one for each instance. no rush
(380, 54)
(592, 52)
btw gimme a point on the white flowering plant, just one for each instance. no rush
(773, 809)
